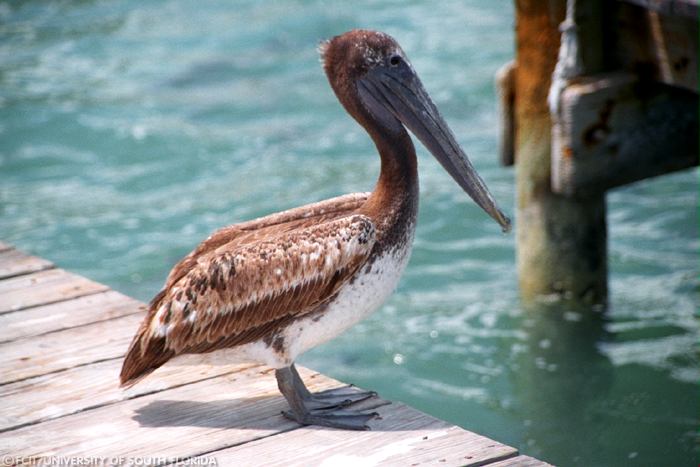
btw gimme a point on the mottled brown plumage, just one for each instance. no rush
(249, 279)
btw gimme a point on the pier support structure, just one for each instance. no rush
(601, 94)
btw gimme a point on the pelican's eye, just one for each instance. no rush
(395, 60)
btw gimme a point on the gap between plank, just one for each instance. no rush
(185, 460)
(381, 403)
(52, 302)
(70, 327)
(497, 459)
(104, 404)
(24, 273)
(61, 370)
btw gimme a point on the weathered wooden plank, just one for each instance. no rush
(614, 129)
(15, 263)
(561, 241)
(50, 286)
(404, 436)
(40, 355)
(177, 423)
(520, 461)
(56, 395)
(66, 314)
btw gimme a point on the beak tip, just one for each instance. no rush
(504, 222)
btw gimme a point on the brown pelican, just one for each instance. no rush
(269, 289)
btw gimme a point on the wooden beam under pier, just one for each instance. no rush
(616, 129)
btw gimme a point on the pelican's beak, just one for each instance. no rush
(399, 91)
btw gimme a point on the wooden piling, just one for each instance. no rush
(562, 241)
(601, 94)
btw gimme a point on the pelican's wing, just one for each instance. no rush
(237, 295)
(267, 226)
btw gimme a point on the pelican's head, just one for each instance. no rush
(373, 79)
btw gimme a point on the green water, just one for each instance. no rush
(130, 130)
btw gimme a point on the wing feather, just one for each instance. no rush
(236, 294)
(264, 227)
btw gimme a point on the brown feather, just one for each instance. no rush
(250, 279)
(268, 226)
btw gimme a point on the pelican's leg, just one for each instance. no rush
(324, 410)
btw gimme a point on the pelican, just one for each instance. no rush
(269, 289)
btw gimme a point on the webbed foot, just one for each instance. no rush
(325, 408)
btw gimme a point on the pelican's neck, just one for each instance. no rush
(396, 191)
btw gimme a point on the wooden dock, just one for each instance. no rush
(62, 338)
